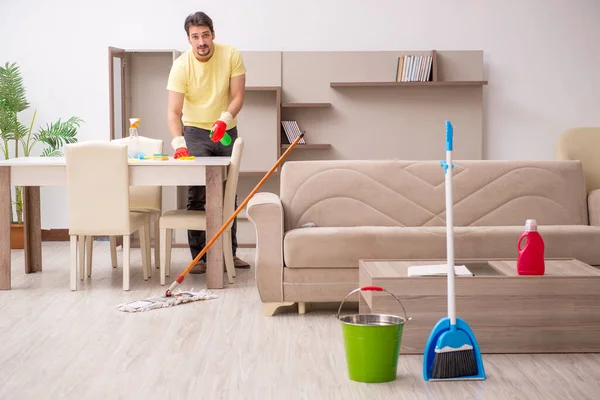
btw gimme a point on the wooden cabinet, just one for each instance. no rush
(348, 104)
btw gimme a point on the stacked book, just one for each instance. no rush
(292, 131)
(413, 68)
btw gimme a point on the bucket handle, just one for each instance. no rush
(374, 289)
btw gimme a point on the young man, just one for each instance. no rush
(206, 89)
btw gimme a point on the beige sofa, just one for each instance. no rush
(379, 209)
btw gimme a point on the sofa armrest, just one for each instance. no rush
(594, 207)
(265, 211)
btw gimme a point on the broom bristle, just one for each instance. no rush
(454, 364)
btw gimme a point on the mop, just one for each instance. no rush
(175, 296)
(452, 352)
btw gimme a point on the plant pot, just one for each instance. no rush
(17, 236)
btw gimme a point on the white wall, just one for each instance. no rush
(541, 56)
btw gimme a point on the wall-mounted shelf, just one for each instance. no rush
(429, 83)
(263, 88)
(305, 105)
(307, 146)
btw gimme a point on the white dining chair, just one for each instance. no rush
(99, 205)
(145, 199)
(196, 220)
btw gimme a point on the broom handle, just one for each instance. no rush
(449, 226)
(235, 213)
(450, 241)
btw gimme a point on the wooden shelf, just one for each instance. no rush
(150, 50)
(308, 146)
(305, 105)
(263, 88)
(429, 83)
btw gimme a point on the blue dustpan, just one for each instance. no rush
(441, 327)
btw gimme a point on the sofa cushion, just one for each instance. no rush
(342, 247)
(346, 193)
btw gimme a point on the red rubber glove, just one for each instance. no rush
(218, 130)
(220, 126)
(178, 144)
(181, 152)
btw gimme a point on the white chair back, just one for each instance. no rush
(231, 183)
(582, 144)
(145, 197)
(97, 188)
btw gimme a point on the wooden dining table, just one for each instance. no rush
(34, 172)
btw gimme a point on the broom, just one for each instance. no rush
(452, 351)
(172, 297)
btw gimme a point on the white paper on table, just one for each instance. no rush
(437, 270)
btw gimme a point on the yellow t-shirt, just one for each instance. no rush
(206, 84)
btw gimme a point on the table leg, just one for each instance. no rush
(214, 221)
(33, 229)
(5, 204)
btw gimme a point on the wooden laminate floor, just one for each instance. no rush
(57, 344)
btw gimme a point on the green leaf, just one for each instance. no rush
(50, 152)
(9, 124)
(57, 134)
(21, 130)
(12, 101)
(12, 89)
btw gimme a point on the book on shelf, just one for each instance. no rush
(414, 68)
(292, 131)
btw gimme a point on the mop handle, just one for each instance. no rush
(231, 218)
(448, 167)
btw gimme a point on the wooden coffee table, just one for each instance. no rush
(555, 313)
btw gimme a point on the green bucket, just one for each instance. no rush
(372, 342)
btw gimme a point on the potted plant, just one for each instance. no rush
(22, 139)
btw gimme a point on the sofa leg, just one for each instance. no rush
(270, 308)
(302, 308)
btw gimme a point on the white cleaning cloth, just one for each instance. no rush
(437, 270)
(163, 301)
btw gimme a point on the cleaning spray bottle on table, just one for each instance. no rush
(531, 256)
(133, 147)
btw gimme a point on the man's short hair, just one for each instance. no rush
(198, 18)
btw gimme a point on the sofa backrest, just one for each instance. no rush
(411, 193)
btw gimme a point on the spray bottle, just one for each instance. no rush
(225, 140)
(133, 146)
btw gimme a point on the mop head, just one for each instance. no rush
(164, 301)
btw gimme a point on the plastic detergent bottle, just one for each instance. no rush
(133, 147)
(531, 256)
